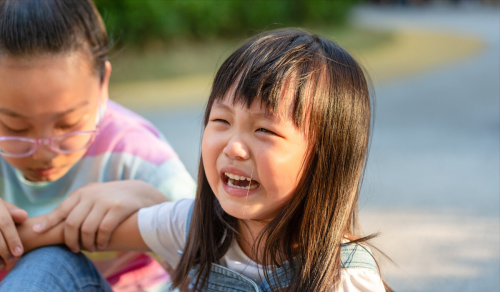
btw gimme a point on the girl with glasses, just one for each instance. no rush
(65, 149)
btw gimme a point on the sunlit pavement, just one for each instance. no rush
(432, 182)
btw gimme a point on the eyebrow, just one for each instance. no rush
(258, 114)
(14, 114)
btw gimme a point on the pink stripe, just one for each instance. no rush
(123, 131)
(139, 275)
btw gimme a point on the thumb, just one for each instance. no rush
(18, 215)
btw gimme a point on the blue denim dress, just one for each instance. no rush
(222, 279)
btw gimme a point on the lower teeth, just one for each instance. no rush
(230, 182)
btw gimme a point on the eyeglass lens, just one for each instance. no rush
(74, 142)
(65, 144)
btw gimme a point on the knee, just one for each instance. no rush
(46, 258)
(55, 268)
(50, 254)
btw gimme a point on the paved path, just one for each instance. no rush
(432, 182)
(437, 134)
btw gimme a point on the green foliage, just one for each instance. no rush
(143, 21)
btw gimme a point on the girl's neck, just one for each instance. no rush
(249, 231)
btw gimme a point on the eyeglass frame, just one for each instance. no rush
(48, 141)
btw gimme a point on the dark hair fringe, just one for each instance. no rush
(31, 28)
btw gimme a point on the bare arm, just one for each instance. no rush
(32, 240)
(126, 236)
(91, 213)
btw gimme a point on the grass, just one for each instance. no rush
(180, 75)
(164, 61)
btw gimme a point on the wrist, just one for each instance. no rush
(32, 240)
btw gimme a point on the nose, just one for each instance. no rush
(236, 149)
(44, 153)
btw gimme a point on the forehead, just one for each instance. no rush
(278, 104)
(46, 85)
(256, 110)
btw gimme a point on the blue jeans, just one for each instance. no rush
(54, 269)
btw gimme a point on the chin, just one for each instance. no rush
(35, 178)
(46, 178)
(237, 209)
(244, 211)
(54, 177)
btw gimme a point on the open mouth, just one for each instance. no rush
(239, 182)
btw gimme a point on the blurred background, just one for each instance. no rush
(432, 184)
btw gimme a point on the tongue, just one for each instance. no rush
(244, 183)
(241, 183)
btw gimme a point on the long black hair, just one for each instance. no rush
(332, 105)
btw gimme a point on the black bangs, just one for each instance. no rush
(271, 68)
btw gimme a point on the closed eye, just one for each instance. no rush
(70, 124)
(67, 127)
(15, 131)
(221, 121)
(264, 130)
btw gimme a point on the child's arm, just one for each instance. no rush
(32, 240)
(92, 213)
(125, 237)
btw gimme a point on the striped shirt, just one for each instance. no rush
(127, 147)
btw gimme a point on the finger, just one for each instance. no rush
(90, 226)
(108, 224)
(9, 232)
(18, 215)
(4, 251)
(57, 215)
(73, 224)
(2, 264)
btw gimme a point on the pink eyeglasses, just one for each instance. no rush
(18, 147)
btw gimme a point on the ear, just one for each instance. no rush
(105, 82)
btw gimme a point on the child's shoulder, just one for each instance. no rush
(124, 132)
(359, 269)
(357, 256)
(120, 116)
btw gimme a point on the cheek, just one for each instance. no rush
(67, 161)
(209, 153)
(19, 163)
(70, 159)
(279, 171)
